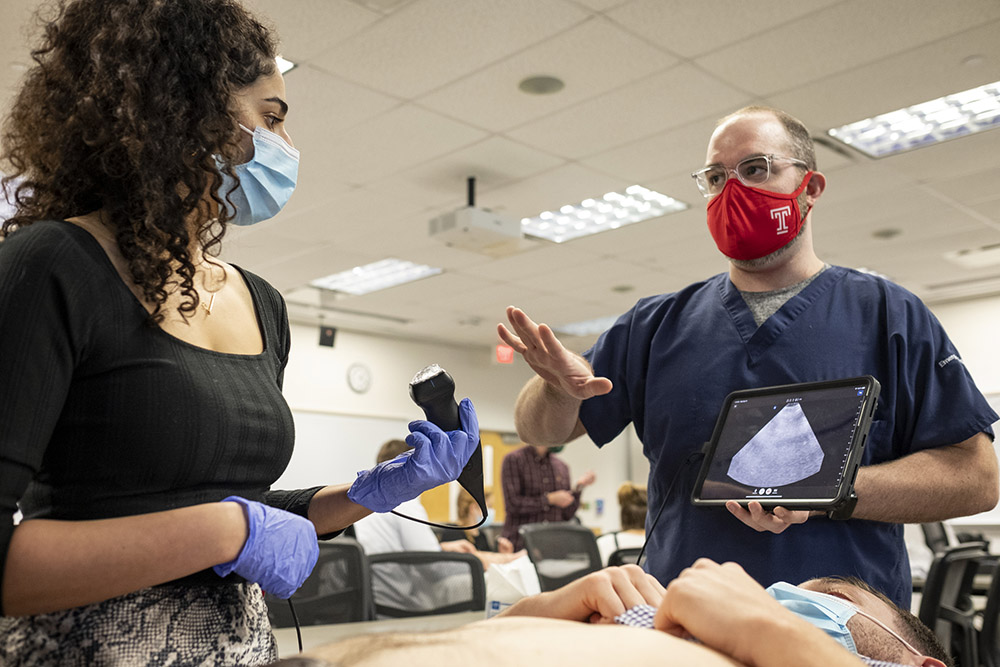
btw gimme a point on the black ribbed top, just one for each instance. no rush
(104, 415)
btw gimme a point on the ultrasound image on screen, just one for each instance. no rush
(793, 445)
(784, 451)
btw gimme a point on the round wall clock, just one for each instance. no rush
(359, 378)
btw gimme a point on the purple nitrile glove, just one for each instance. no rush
(436, 458)
(280, 551)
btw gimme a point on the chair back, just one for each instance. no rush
(338, 590)
(989, 636)
(560, 552)
(935, 536)
(492, 532)
(626, 556)
(946, 601)
(422, 583)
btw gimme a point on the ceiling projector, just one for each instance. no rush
(479, 230)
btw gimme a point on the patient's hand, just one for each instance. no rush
(755, 516)
(711, 602)
(725, 609)
(597, 597)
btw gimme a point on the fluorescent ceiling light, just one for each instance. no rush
(976, 258)
(284, 65)
(587, 327)
(613, 210)
(376, 276)
(924, 124)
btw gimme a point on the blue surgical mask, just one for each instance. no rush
(491, 516)
(827, 612)
(266, 181)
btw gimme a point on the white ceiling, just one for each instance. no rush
(394, 103)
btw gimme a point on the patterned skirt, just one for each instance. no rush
(164, 625)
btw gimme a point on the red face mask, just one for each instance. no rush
(750, 223)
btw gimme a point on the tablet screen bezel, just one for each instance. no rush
(829, 495)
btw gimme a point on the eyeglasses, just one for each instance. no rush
(755, 170)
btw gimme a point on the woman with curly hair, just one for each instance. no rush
(143, 421)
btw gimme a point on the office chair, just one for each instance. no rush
(561, 552)
(989, 636)
(491, 532)
(946, 602)
(626, 556)
(422, 583)
(338, 590)
(935, 536)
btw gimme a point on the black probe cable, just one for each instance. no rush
(433, 389)
(694, 456)
(298, 629)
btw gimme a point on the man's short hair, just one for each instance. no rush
(800, 141)
(911, 628)
(391, 450)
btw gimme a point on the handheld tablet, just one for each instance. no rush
(796, 446)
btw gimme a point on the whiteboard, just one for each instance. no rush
(331, 448)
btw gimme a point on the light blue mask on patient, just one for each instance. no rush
(828, 613)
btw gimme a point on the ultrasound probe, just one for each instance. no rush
(433, 389)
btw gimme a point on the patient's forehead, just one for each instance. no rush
(859, 597)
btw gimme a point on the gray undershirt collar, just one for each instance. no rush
(765, 304)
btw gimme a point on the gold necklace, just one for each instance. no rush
(211, 300)
(208, 306)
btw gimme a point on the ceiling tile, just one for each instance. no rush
(914, 76)
(590, 59)
(970, 189)
(853, 33)
(322, 105)
(600, 5)
(539, 261)
(969, 155)
(690, 29)
(567, 184)
(494, 161)
(391, 142)
(912, 210)
(306, 27)
(646, 107)
(645, 234)
(425, 45)
(656, 155)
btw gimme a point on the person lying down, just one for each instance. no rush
(710, 615)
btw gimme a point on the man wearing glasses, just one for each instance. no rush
(779, 316)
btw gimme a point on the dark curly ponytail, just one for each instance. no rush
(124, 110)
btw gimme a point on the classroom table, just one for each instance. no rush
(318, 635)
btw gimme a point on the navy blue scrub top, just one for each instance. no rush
(673, 359)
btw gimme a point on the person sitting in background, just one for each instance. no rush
(399, 586)
(387, 532)
(469, 514)
(632, 502)
(731, 618)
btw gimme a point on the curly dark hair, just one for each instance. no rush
(124, 110)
